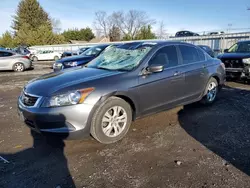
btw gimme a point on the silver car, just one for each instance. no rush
(12, 61)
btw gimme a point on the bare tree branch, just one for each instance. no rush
(162, 32)
(131, 22)
(102, 22)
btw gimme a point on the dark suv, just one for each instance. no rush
(119, 86)
(237, 60)
(185, 34)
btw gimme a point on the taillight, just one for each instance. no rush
(26, 57)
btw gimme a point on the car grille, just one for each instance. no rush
(28, 100)
(233, 63)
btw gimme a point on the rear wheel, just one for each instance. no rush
(111, 120)
(211, 91)
(18, 67)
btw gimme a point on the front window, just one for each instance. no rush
(241, 47)
(119, 59)
(94, 51)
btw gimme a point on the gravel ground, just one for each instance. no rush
(191, 146)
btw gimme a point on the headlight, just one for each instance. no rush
(69, 98)
(247, 60)
(72, 64)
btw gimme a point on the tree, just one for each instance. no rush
(41, 36)
(145, 33)
(115, 34)
(102, 23)
(131, 22)
(161, 33)
(85, 34)
(56, 24)
(7, 40)
(30, 12)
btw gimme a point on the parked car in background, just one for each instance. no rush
(79, 60)
(12, 61)
(78, 52)
(22, 50)
(119, 86)
(207, 49)
(216, 33)
(2, 48)
(185, 34)
(237, 60)
(46, 55)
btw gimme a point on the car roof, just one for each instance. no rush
(162, 43)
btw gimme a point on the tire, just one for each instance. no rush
(99, 124)
(211, 92)
(35, 58)
(56, 58)
(18, 67)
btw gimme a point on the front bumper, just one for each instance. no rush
(243, 73)
(72, 122)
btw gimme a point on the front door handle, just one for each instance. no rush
(204, 66)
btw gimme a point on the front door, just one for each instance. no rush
(164, 89)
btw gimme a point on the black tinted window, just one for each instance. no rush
(166, 56)
(5, 54)
(189, 54)
(201, 55)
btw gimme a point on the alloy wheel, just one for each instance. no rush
(212, 91)
(114, 121)
(19, 67)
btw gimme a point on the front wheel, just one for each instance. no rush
(56, 58)
(111, 120)
(211, 92)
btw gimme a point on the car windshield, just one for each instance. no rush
(93, 51)
(119, 59)
(241, 47)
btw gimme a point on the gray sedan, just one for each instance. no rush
(119, 86)
(11, 61)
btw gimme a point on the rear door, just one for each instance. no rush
(194, 67)
(43, 55)
(5, 60)
(158, 91)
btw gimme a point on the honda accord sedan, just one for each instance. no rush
(103, 97)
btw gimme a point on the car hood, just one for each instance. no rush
(75, 58)
(50, 83)
(234, 56)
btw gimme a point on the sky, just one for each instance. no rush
(193, 15)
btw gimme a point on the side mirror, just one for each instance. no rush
(154, 68)
(226, 50)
